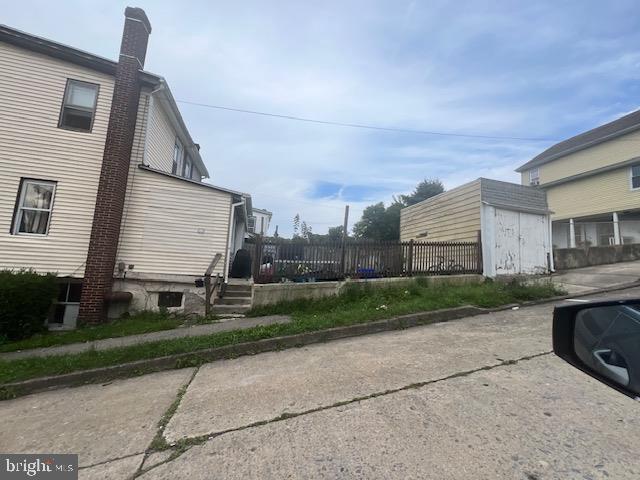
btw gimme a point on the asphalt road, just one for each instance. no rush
(477, 398)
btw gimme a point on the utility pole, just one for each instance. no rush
(344, 237)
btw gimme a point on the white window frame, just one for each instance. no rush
(187, 163)
(17, 220)
(70, 308)
(534, 176)
(251, 224)
(631, 187)
(67, 104)
(178, 158)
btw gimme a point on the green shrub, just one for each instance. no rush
(25, 299)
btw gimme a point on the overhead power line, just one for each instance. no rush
(368, 127)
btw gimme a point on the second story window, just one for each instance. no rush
(635, 176)
(79, 106)
(252, 224)
(178, 154)
(534, 176)
(33, 207)
(188, 168)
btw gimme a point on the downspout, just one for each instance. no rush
(230, 238)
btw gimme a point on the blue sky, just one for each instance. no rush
(544, 69)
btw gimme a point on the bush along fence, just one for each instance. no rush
(274, 261)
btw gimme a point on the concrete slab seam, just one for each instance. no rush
(159, 443)
(186, 443)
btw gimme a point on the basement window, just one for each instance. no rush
(79, 106)
(65, 311)
(169, 299)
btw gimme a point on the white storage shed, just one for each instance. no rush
(512, 220)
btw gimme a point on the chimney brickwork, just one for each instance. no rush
(105, 231)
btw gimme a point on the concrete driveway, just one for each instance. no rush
(481, 397)
(581, 280)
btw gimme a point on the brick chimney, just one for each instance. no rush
(101, 257)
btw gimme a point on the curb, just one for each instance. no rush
(189, 359)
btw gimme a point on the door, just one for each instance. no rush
(521, 242)
(534, 240)
(507, 251)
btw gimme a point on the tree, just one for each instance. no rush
(305, 231)
(335, 233)
(383, 223)
(296, 225)
(427, 188)
(379, 223)
(301, 231)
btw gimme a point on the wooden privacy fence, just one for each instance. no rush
(274, 261)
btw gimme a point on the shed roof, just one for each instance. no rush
(513, 196)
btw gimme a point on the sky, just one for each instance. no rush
(543, 71)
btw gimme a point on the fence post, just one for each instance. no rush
(479, 254)
(344, 238)
(410, 259)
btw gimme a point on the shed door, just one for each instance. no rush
(533, 243)
(521, 243)
(507, 252)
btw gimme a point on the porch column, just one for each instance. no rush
(616, 229)
(572, 234)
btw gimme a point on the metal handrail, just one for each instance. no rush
(209, 288)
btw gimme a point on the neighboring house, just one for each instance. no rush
(592, 183)
(259, 222)
(101, 181)
(511, 220)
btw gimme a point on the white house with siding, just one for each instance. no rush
(259, 222)
(57, 106)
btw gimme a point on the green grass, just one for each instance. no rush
(356, 305)
(143, 322)
(360, 302)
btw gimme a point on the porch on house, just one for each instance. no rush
(615, 228)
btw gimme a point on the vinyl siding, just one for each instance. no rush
(604, 154)
(162, 138)
(139, 137)
(602, 193)
(31, 145)
(451, 216)
(173, 227)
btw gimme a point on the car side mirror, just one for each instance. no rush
(603, 340)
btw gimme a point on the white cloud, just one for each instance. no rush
(537, 69)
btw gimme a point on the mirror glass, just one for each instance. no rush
(607, 340)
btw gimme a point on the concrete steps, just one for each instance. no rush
(238, 290)
(236, 299)
(229, 300)
(218, 309)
